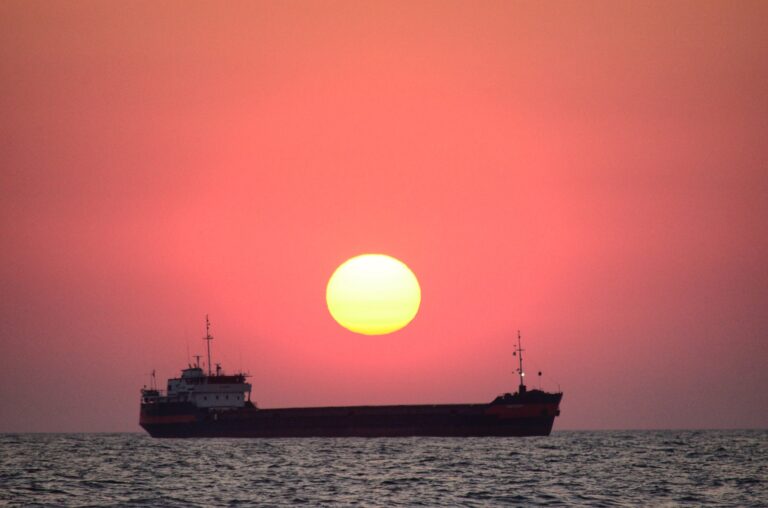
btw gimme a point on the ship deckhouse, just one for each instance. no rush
(209, 390)
(218, 391)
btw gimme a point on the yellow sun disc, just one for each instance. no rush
(373, 294)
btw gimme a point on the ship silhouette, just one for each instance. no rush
(214, 404)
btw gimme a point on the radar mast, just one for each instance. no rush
(208, 338)
(519, 353)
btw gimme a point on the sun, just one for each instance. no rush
(373, 294)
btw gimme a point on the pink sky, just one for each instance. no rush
(595, 174)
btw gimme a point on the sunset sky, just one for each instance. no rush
(594, 174)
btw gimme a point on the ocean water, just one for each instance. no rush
(637, 468)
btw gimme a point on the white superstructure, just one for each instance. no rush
(204, 390)
(218, 391)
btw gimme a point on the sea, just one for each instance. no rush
(606, 468)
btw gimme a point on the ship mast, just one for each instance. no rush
(208, 338)
(519, 353)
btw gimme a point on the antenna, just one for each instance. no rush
(208, 338)
(197, 361)
(520, 370)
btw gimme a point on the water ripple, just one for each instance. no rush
(672, 468)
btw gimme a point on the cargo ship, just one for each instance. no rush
(209, 403)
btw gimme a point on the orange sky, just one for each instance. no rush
(593, 173)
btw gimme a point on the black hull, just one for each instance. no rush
(456, 420)
(532, 427)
